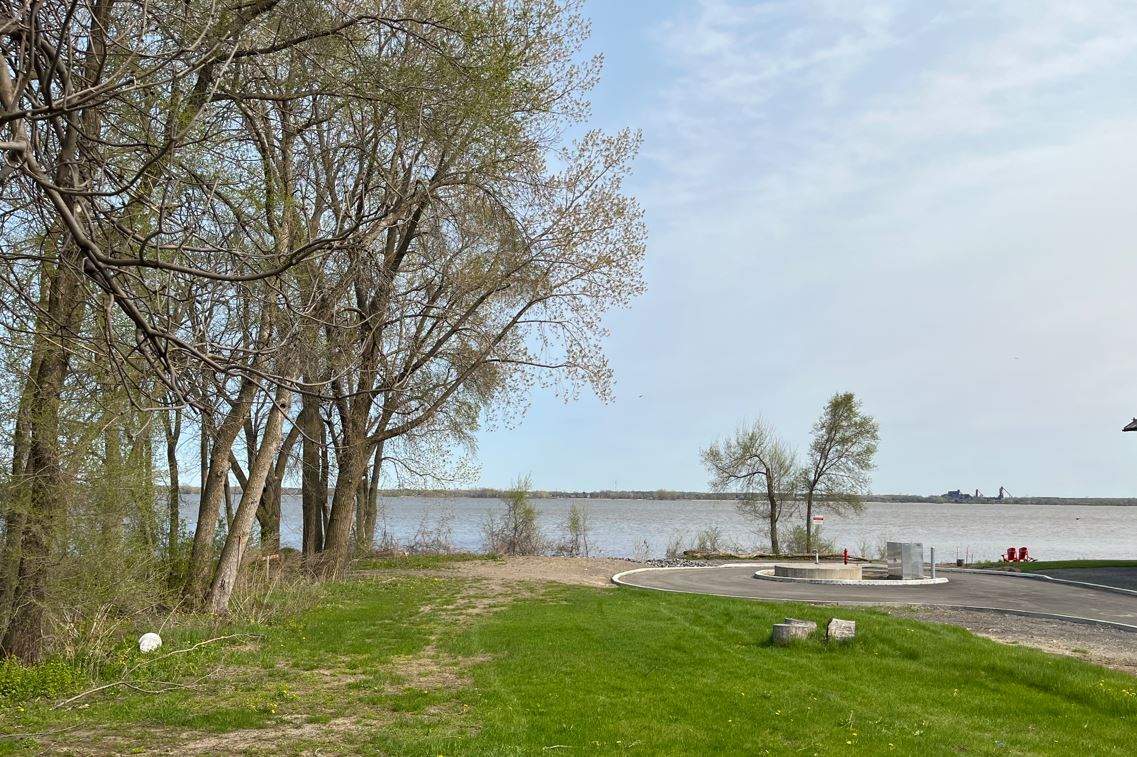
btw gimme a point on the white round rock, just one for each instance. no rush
(148, 642)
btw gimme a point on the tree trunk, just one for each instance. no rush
(140, 461)
(209, 509)
(361, 541)
(40, 487)
(373, 497)
(268, 516)
(238, 536)
(772, 497)
(38, 490)
(313, 490)
(24, 636)
(174, 495)
(15, 516)
(268, 513)
(204, 457)
(325, 476)
(337, 540)
(808, 521)
(228, 505)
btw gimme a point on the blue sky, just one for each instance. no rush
(929, 204)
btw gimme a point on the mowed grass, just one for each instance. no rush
(574, 670)
(669, 673)
(1044, 565)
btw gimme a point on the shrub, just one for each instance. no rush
(873, 552)
(100, 592)
(576, 531)
(676, 546)
(269, 589)
(52, 679)
(710, 540)
(433, 537)
(795, 544)
(515, 532)
(387, 544)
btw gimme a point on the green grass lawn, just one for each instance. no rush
(411, 664)
(1044, 565)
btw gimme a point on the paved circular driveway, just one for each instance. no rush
(1013, 594)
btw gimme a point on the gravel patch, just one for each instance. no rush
(678, 563)
(1109, 647)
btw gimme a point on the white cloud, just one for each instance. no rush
(792, 103)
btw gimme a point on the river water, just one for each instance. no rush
(633, 527)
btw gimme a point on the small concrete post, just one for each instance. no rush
(816, 558)
(933, 556)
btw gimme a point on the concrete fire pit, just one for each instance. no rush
(820, 570)
(837, 574)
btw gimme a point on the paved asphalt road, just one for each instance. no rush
(1010, 593)
(1125, 578)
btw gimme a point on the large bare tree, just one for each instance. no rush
(761, 469)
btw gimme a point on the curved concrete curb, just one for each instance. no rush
(1040, 577)
(617, 579)
(890, 583)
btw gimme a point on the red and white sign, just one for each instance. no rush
(818, 520)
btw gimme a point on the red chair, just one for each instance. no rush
(1024, 555)
(1011, 554)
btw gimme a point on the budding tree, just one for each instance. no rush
(841, 453)
(348, 225)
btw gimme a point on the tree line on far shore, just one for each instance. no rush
(668, 495)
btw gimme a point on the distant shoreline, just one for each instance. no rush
(663, 495)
